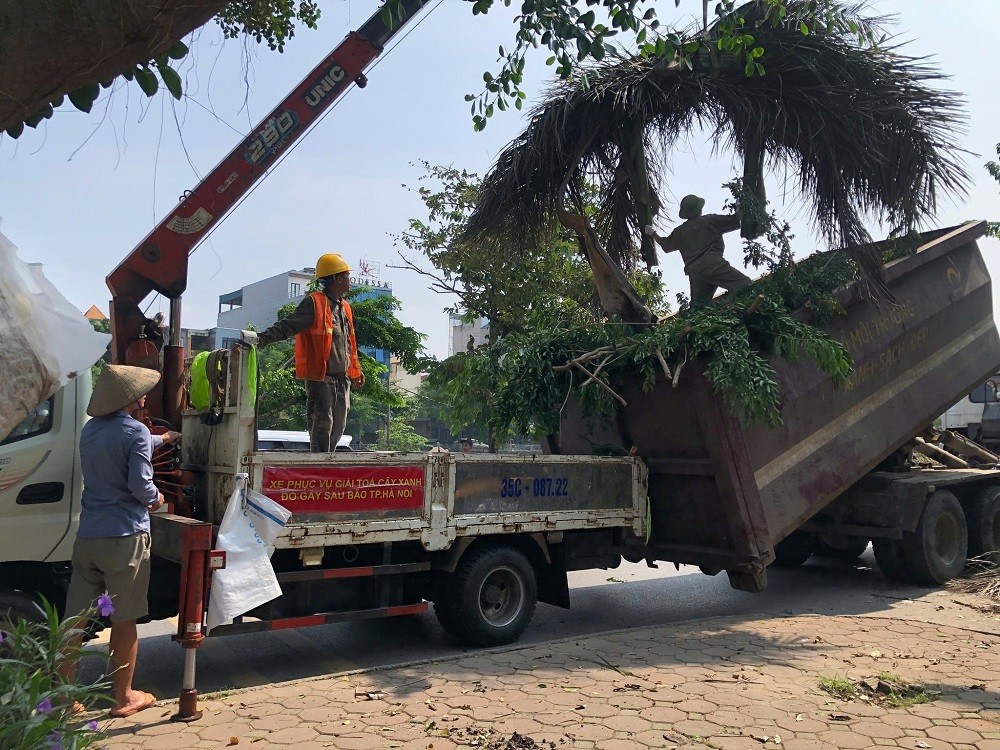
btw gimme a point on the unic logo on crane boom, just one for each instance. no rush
(272, 137)
(324, 85)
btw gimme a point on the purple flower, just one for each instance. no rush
(104, 605)
(55, 741)
(92, 725)
(44, 706)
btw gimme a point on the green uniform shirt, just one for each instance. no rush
(700, 235)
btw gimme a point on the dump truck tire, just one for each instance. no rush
(794, 549)
(935, 551)
(889, 556)
(840, 547)
(982, 516)
(443, 615)
(491, 597)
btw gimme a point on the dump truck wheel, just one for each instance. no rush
(847, 548)
(889, 556)
(936, 551)
(491, 597)
(794, 549)
(982, 516)
(443, 615)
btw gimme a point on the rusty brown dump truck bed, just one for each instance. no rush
(722, 495)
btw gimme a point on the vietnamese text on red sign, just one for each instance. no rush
(309, 489)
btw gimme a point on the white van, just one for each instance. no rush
(293, 440)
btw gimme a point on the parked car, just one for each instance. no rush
(293, 440)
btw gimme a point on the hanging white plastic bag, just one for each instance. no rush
(247, 534)
(46, 341)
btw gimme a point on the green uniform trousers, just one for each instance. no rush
(708, 273)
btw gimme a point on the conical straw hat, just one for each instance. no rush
(118, 386)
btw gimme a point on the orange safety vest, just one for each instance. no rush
(313, 346)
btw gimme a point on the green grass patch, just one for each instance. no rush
(839, 687)
(900, 694)
(887, 689)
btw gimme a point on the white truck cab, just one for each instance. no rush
(40, 485)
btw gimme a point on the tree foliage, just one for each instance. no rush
(528, 378)
(146, 40)
(399, 434)
(861, 125)
(993, 227)
(101, 326)
(577, 33)
(519, 288)
(515, 287)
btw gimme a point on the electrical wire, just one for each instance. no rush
(383, 56)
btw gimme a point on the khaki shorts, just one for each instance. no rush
(118, 565)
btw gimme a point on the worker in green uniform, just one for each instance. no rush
(699, 240)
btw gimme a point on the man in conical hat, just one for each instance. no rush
(111, 552)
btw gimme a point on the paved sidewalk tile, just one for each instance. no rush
(726, 683)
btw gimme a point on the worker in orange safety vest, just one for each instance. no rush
(326, 353)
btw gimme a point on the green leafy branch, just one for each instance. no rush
(576, 37)
(993, 227)
(148, 75)
(271, 22)
(520, 382)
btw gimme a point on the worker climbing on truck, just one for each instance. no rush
(326, 352)
(701, 245)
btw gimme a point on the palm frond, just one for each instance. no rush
(866, 129)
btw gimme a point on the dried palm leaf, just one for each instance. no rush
(864, 127)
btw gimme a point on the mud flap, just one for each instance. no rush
(752, 580)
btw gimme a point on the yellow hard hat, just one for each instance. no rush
(330, 264)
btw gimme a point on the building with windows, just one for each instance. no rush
(196, 340)
(257, 304)
(465, 336)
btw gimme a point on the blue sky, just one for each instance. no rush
(80, 192)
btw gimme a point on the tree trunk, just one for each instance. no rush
(617, 295)
(52, 47)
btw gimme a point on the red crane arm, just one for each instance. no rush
(159, 262)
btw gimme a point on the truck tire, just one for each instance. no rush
(794, 549)
(848, 548)
(443, 613)
(889, 556)
(982, 515)
(491, 597)
(935, 551)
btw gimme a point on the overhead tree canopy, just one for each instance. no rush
(73, 48)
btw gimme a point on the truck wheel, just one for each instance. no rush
(935, 552)
(889, 556)
(847, 548)
(491, 598)
(982, 515)
(443, 613)
(794, 549)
